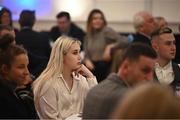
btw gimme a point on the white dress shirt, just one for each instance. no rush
(59, 102)
(164, 74)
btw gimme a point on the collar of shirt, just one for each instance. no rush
(167, 67)
(164, 74)
(76, 79)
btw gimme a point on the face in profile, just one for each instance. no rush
(5, 18)
(63, 24)
(72, 59)
(165, 47)
(140, 70)
(97, 21)
(18, 71)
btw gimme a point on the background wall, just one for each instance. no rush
(119, 13)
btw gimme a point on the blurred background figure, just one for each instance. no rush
(98, 37)
(6, 18)
(144, 25)
(36, 44)
(66, 27)
(160, 22)
(148, 101)
(32, 41)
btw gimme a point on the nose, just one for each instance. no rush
(173, 47)
(79, 56)
(26, 71)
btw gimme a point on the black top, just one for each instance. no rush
(11, 105)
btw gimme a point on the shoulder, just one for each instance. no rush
(54, 29)
(75, 27)
(108, 29)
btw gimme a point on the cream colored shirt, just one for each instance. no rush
(59, 102)
(164, 74)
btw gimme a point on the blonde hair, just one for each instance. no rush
(55, 65)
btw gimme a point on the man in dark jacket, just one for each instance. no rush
(36, 44)
(144, 25)
(66, 27)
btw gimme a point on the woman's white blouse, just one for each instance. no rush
(59, 102)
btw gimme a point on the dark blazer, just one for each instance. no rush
(34, 42)
(11, 106)
(38, 49)
(102, 99)
(176, 81)
(142, 39)
(74, 31)
(177, 58)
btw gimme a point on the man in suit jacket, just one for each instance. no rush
(144, 25)
(37, 45)
(136, 66)
(166, 71)
(33, 41)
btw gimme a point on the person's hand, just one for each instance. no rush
(83, 70)
(89, 64)
(107, 52)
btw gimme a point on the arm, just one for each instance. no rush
(48, 105)
(87, 61)
(84, 71)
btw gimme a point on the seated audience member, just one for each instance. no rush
(61, 88)
(160, 22)
(166, 71)
(6, 18)
(14, 76)
(36, 63)
(144, 25)
(32, 41)
(98, 39)
(66, 27)
(148, 101)
(38, 46)
(136, 66)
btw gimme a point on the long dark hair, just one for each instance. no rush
(4, 10)
(90, 18)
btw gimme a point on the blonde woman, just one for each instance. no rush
(60, 90)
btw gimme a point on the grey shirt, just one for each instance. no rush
(94, 44)
(101, 99)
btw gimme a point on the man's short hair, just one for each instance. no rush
(63, 14)
(160, 31)
(135, 50)
(27, 18)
